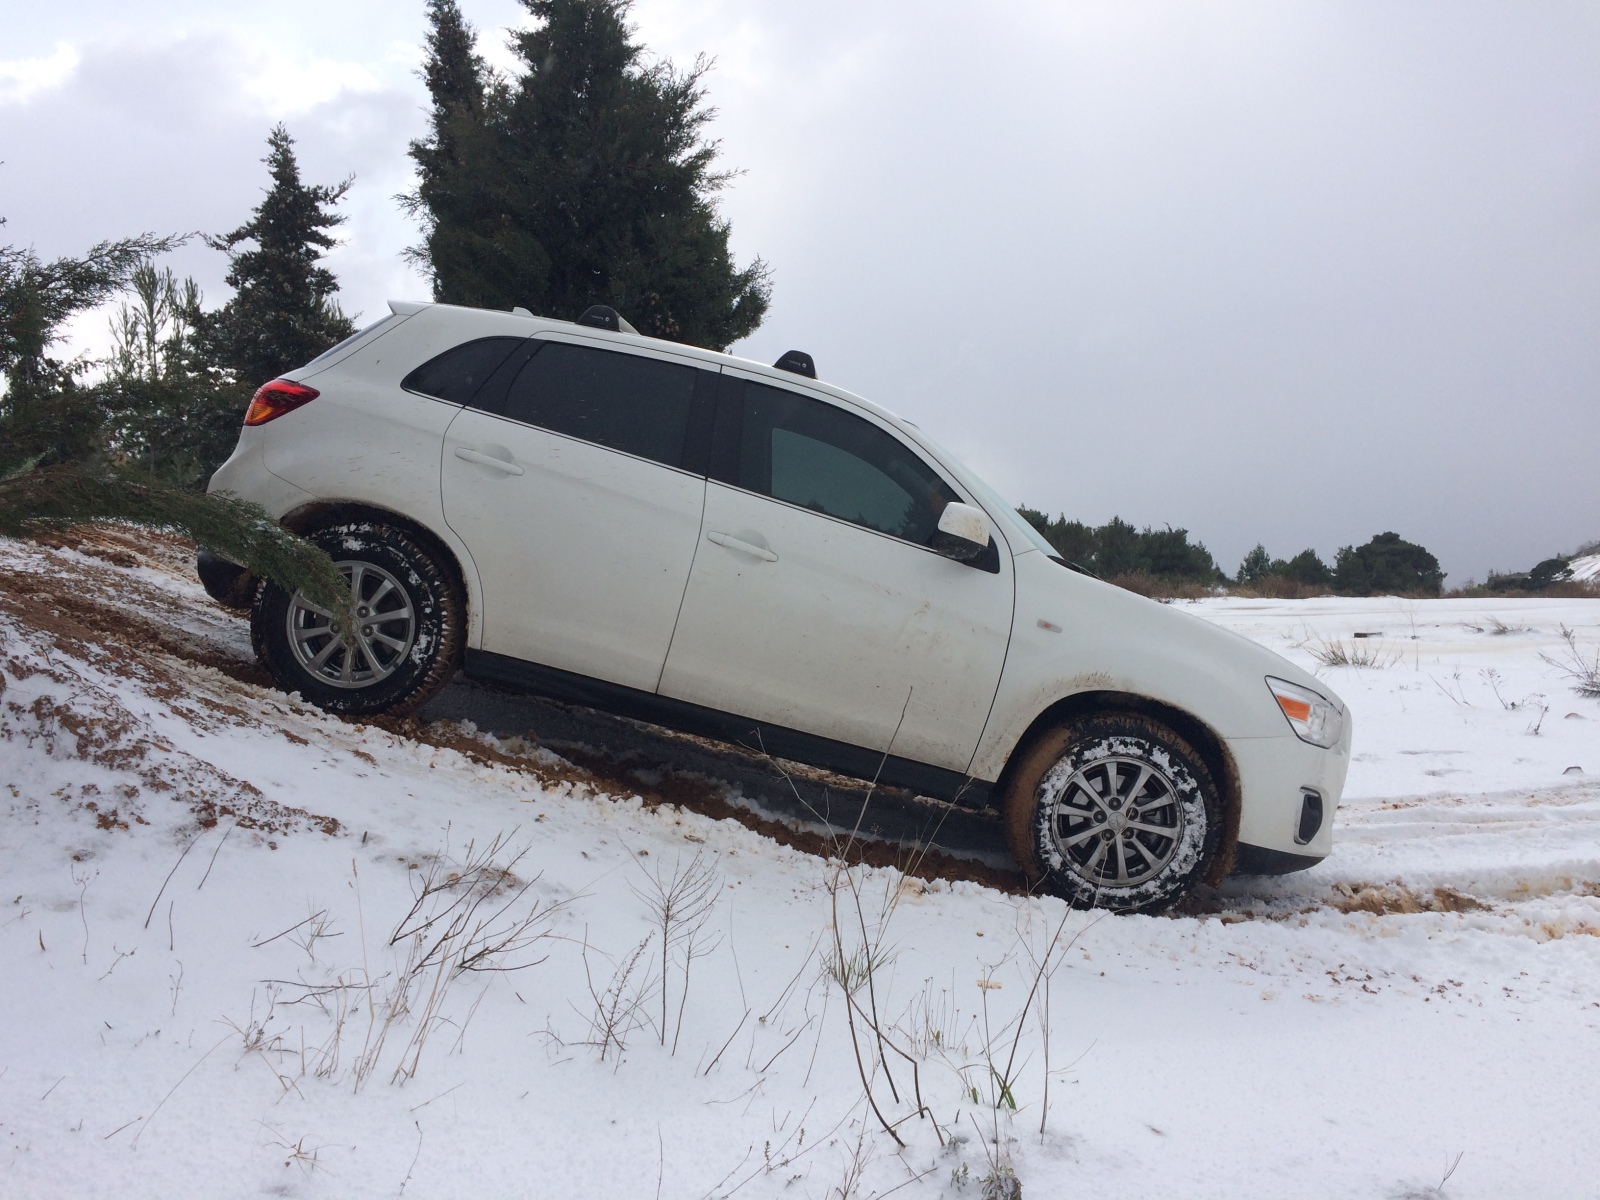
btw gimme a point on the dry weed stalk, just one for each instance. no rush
(680, 904)
(858, 950)
(618, 1009)
(469, 919)
(1584, 672)
(857, 1158)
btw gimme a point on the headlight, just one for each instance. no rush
(1313, 718)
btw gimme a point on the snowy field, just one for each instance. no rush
(219, 980)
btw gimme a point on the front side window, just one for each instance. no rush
(640, 406)
(458, 373)
(812, 454)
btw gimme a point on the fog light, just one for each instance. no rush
(1310, 816)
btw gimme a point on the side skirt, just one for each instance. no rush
(756, 736)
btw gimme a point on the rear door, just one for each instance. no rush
(568, 480)
(816, 603)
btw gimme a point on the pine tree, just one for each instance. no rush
(283, 313)
(582, 180)
(1306, 567)
(1256, 565)
(56, 467)
(168, 409)
(46, 415)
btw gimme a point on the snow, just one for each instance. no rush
(1432, 989)
(1586, 568)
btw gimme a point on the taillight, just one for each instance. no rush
(274, 399)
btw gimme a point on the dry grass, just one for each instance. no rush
(1161, 587)
(1583, 672)
(1571, 589)
(1494, 626)
(473, 918)
(1273, 587)
(1362, 653)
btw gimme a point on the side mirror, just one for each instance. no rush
(963, 532)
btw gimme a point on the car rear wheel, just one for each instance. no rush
(405, 641)
(1113, 811)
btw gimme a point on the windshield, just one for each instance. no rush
(992, 501)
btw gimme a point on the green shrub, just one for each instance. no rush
(1388, 564)
(1118, 548)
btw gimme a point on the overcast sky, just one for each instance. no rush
(1284, 272)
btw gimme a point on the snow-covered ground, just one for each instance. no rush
(216, 980)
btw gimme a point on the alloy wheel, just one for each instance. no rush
(385, 629)
(1115, 822)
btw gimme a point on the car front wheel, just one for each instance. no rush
(1113, 811)
(403, 644)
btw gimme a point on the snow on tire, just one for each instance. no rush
(1113, 811)
(411, 624)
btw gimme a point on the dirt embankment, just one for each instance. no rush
(109, 611)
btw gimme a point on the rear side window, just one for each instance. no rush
(349, 343)
(640, 406)
(809, 453)
(458, 373)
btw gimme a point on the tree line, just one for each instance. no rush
(582, 177)
(174, 388)
(1163, 561)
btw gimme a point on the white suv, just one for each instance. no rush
(743, 552)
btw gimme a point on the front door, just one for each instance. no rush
(815, 602)
(565, 478)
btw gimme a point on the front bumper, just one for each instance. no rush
(1275, 776)
(229, 584)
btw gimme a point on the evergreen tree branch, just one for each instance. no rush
(234, 529)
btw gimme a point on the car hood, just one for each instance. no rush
(1106, 638)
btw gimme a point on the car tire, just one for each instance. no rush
(407, 652)
(1067, 813)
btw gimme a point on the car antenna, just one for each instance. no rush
(603, 316)
(799, 362)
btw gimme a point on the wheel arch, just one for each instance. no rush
(321, 513)
(1211, 748)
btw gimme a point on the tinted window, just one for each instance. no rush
(810, 453)
(637, 405)
(457, 374)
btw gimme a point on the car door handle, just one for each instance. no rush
(733, 543)
(488, 460)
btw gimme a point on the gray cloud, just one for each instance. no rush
(1289, 273)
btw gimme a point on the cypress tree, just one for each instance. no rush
(283, 313)
(455, 76)
(584, 179)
